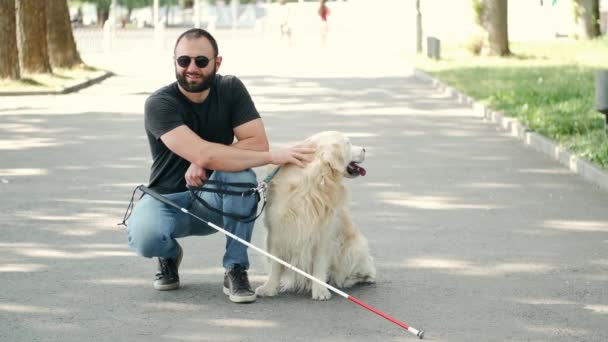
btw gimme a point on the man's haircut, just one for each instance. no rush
(197, 33)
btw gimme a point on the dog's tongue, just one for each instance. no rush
(358, 169)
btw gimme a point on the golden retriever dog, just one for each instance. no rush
(309, 225)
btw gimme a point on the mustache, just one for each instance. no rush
(193, 73)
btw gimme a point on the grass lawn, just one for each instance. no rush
(55, 81)
(549, 86)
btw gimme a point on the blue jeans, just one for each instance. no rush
(153, 226)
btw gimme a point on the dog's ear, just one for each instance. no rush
(333, 157)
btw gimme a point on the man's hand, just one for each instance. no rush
(299, 155)
(195, 176)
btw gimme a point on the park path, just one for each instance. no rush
(475, 236)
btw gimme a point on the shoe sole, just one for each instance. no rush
(174, 286)
(166, 287)
(239, 299)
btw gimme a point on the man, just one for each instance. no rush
(191, 125)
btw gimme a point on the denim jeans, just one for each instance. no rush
(153, 226)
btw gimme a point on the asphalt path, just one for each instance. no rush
(475, 236)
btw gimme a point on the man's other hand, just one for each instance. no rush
(195, 176)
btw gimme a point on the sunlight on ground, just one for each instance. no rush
(243, 323)
(21, 268)
(601, 309)
(382, 185)
(577, 226)
(553, 171)
(544, 301)
(430, 202)
(203, 271)
(32, 215)
(89, 201)
(22, 143)
(120, 281)
(30, 309)
(60, 254)
(490, 185)
(468, 268)
(22, 172)
(206, 337)
(175, 306)
(557, 330)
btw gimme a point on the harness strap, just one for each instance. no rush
(241, 218)
(271, 175)
(251, 190)
(129, 209)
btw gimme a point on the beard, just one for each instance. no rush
(196, 86)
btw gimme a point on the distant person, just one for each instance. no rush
(202, 127)
(284, 20)
(323, 12)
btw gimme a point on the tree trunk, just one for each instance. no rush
(587, 18)
(60, 39)
(9, 53)
(494, 21)
(418, 28)
(31, 36)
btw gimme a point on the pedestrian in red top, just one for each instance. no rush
(323, 13)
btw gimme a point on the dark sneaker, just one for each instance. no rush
(237, 287)
(167, 277)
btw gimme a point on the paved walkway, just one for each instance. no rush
(476, 237)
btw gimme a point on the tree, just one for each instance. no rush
(9, 53)
(60, 39)
(587, 18)
(492, 16)
(31, 36)
(418, 28)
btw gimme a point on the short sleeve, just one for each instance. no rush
(161, 115)
(242, 108)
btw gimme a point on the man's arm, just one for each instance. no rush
(251, 136)
(188, 145)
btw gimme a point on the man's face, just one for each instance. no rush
(191, 77)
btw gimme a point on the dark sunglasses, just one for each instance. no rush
(200, 61)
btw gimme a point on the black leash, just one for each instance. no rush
(252, 190)
(259, 190)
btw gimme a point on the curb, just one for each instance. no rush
(513, 127)
(65, 90)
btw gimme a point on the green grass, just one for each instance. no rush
(550, 87)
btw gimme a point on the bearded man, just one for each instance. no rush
(203, 127)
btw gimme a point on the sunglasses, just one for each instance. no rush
(200, 61)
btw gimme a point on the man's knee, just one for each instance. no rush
(146, 238)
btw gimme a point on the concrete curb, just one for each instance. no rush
(584, 168)
(65, 90)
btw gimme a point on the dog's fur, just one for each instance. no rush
(309, 225)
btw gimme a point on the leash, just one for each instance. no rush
(259, 190)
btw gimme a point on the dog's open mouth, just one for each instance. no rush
(354, 169)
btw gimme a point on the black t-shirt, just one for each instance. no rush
(227, 106)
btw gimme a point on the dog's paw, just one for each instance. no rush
(320, 293)
(266, 291)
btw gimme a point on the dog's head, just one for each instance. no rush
(335, 150)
